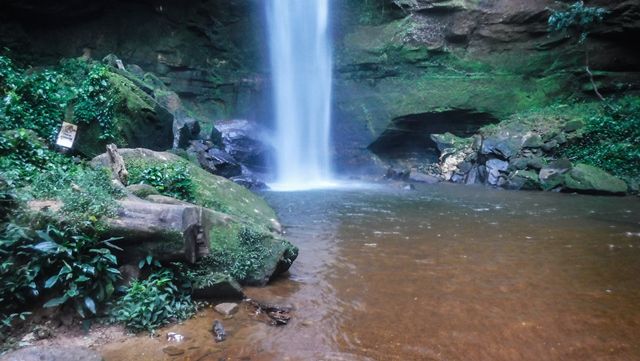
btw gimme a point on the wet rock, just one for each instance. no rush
(243, 141)
(561, 138)
(552, 175)
(494, 168)
(419, 177)
(52, 353)
(227, 308)
(188, 129)
(518, 163)
(472, 176)
(218, 331)
(409, 187)
(249, 181)
(396, 174)
(219, 286)
(589, 179)
(536, 163)
(523, 180)
(219, 162)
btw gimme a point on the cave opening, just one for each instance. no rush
(409, 137)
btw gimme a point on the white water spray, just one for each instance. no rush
(301, 66)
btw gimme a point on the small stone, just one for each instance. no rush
(227, 309)
(173, 351)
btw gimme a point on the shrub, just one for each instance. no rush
(240, 257)
(23, 157)
(67, 266)
(153, 303)
(611, 139)
(173, 180)
(39, 99)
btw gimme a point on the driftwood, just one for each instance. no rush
(272, 314)
(164, 231)
(117, 165)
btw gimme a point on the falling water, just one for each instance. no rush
(301, 65)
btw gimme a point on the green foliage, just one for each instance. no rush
(67, 266)
(577, 18)
(170, 179)
(153, 303)
(611, 139)
(87, 195)
(23, 156)
(39, 99)
(240, 257)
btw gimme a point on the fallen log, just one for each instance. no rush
(167, 232)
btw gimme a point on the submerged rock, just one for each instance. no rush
(589, 179)
(227, 308)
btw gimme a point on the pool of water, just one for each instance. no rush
(440, 273)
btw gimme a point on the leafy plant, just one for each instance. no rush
(611, 139)
(23, 156)
(40, 99)
(579, 20)
(154, 302)
(173, 180)
(83, 270)
(63, 264)
(240, 257)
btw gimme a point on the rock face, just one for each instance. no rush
(52, 353)
(494, 57)
(205, 50)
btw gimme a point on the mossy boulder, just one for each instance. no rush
(247, 245)
(585, 178)
(523, 180)
(139, 121)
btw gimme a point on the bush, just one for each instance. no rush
(40, 99)
(153, 303)
(611, 139)
(65, 265)
(173, 180)
(239, 259)
(23, 156)
(87, 195)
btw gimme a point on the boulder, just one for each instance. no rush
(139, 121)
(523, 180)
(226, 308)
(553, 174)
(495, 167)
(219, 162)
(573, 125)
(243, 140)
(502, 147)
(419, 177)
(585, 178)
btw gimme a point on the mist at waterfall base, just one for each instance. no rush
(301, 66)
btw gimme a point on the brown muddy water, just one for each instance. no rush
(441, 273)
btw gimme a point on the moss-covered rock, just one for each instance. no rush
(247, 245)
(589, 179)
(139, 121)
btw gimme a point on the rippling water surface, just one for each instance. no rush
(442, 273)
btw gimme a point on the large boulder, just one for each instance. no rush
(585, 178)
(247, 242)
(244, 141)
(139, 121)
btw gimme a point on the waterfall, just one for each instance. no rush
(299, 44)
